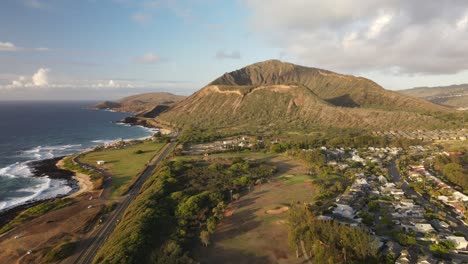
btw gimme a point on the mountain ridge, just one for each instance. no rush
(455, 96)
(338, 89)
(273, 93)
(140, 103)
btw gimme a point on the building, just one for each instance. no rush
(459, 241)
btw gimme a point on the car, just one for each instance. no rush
(18, 236)
(90, 206)
(29, 252)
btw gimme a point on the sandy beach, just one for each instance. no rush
(83, 180)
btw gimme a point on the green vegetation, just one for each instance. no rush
(96, 177)
(192, 134)
(330, 185)
(453, 168)
(123, 163)
(443, 247)
(403, 238)
(329, 241)
(335, 138)
(178, 203)
(35, 211)
(60, 252)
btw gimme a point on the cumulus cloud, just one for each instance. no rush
(38, 79)
(7, 46)
(148, 58)
(398, 36)
(41, 77)
(221, 55)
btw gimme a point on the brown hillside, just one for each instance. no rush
(140, 103)
(284, 106)
(455, 96)
(338, 89)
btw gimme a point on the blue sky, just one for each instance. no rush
(63, 49)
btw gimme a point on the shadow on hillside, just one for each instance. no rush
(344, 100)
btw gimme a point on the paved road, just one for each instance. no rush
(410, 192)
(106, 228)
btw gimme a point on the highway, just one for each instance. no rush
(102, 233)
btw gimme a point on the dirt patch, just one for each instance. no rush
(42, 233)
(278, 211)
(228, 212)
(250, 235)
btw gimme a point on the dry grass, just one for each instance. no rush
(254, 229)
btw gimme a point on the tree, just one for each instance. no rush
(138, 152)
(277, 148)
(211, 224)
(236, 196)
(454, 173)
(205, 237)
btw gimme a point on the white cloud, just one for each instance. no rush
(148, 58)
(221, 55)
(378, 25)
(38, 79)
(405, 37)
(20, 82)
(41, 77)
(462, 23)
(7, 46)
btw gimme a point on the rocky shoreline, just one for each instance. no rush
(41, 168)
(48, 167)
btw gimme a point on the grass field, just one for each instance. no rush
(254, 229)
(123, 164)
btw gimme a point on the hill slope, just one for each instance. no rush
(283, 106)
(338, 89)
(285, 95)
(141, 102)
(452, 96)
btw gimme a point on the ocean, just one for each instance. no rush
(31, 131)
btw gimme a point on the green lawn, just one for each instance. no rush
(125, 163)
(295, 179)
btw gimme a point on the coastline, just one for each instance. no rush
(41, 168)
(79, 182)
(83, 180)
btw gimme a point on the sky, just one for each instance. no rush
(107, 49)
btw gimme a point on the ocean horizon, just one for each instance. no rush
(39, 130)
